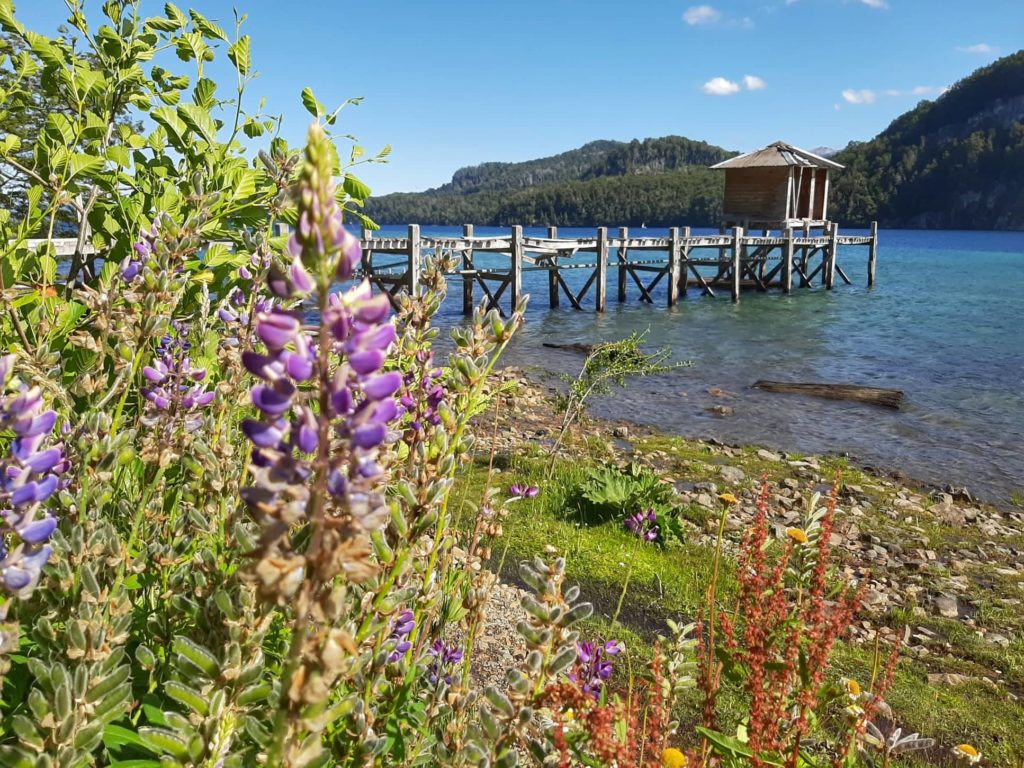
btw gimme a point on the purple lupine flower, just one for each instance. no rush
(523, 491)
(445, 657)
(29, 475)
(316, 448)
(175, 390)
(594, 666)
(132, 264)
(401, 627)
(643, 524)
(423, 396)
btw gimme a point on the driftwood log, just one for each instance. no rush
(888, 398)
(583, 349)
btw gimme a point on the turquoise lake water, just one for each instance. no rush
(944, 323)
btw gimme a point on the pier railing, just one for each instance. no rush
(730, 261)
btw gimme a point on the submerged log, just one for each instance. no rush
(888, 398)
(583, 349)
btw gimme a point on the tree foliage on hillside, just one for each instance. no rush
(956, 162)
(692, 196)
(661, 182)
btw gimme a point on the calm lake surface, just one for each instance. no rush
(944, 323)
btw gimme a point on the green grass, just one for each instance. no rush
(670, 582)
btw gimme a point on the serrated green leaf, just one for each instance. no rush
(207, 27)
(47, 52)
(83, 165)
(199, 120)
(240, 54)
(203, 93)
(355, 188)
(172, 12)
(311, 103)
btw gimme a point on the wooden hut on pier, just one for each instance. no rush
(776, 187)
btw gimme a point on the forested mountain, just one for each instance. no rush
(953, 163)
(656, 181)
(956, 163)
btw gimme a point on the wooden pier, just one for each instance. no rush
(730, 261)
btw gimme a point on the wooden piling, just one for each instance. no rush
(673, 266)
(415, 256)
(787, 262)
(623, 255)
(467, 267)
(553, 290)
(737, 251)
(684, 259)
(872, 253)
(602, 268)
(832, 230)
(366, 258)
(804, 282)
(517, 265)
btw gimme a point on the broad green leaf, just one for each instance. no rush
(175, 127)
(118, 153)
(41, 46)
(207, 27)
(219, 254)
(311, 103)
(198, 119)
(10, 144)
(174, 14)
(240, 54)
(7, 21)
(203, 93)
(355, 188)
(162, 25)
(83, 165)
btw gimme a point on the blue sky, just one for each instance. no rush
(450, 83)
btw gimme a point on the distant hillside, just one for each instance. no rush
(953, 163)
(655, 181)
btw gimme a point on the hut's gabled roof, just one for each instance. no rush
(779, 154)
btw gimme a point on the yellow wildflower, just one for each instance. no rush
(673, 758)
(854, 712)
(852, 688)
(569, 715)
(967, 753)
(728, 498)
(797, 534)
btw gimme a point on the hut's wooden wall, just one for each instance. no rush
(756, 193)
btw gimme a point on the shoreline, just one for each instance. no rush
(892, 471)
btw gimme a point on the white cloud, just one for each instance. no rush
(701, 14)
(862, 96)
(719, 86)
(876, 3)
(753, 82)
(917, 90)
(980, 48)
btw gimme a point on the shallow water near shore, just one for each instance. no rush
(944, 323)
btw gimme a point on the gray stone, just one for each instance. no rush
(768, 455)
(732, 474)
(947, 606)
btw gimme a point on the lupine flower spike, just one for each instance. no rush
(29, 475)
(523, 491)
(643, 524)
